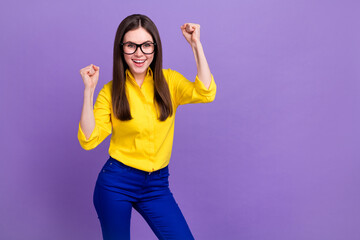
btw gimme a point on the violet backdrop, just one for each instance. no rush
(274, 157)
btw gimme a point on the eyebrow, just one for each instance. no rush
(139, 43)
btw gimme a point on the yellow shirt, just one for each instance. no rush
(144, 142)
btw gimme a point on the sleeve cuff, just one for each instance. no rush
(82, 137)
(201, 89)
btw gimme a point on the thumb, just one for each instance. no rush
(189, 28)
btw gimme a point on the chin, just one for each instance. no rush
(140, 70)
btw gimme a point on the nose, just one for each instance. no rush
(138, 52)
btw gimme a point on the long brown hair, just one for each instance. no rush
(162, 96)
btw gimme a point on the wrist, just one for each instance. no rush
(89, 91)
(196, 44)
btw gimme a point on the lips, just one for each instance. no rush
(139, 62)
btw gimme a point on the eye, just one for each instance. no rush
(130, 45)
(147, 44)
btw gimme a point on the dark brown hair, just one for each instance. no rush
(162, 96)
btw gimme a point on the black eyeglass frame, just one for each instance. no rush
(137, 46)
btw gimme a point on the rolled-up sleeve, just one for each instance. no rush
(103, 126)
(192, 92)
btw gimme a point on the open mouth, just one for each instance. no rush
(139, 63)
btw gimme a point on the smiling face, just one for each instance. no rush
(138, 62)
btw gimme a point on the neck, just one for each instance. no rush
(139, 77)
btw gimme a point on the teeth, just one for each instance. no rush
(137, 61)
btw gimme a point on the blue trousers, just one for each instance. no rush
(119, 188)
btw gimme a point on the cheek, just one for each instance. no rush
(127, 59)
(150, 59)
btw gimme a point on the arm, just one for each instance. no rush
(191, 33)
(101, 117)
(185, 91)
(87, 119)
(90, 76)
(95, 122)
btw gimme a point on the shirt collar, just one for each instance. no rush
(149, 74)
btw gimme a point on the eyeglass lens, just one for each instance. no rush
(130, 48)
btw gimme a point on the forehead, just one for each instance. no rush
(139, 35)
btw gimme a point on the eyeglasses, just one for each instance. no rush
(130, 47)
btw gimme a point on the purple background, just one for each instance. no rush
(274, 157)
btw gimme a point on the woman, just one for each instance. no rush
(138, 107)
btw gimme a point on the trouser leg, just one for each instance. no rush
(114, 214)
(119, 188)
(112, 201)
(164, 216)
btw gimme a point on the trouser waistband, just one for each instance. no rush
(115, 161)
